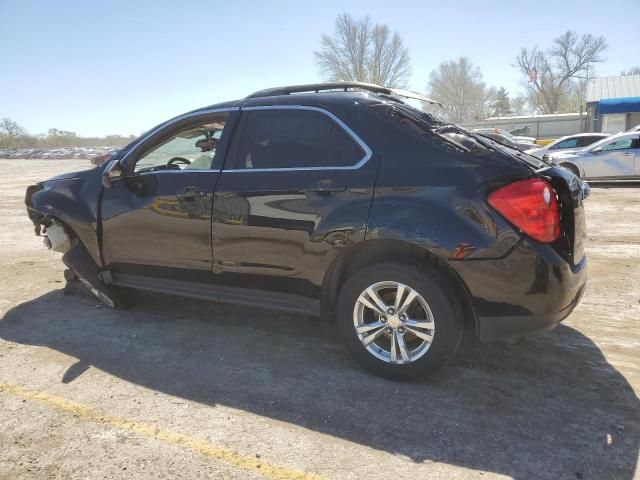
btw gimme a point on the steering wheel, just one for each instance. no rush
(175, 160)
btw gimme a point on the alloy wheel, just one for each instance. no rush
(393, 322)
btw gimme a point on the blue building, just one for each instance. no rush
(613, 103)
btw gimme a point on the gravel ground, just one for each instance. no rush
(186, 389)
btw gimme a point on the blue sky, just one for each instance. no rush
(123, 66)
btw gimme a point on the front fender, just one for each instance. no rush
(73, 199)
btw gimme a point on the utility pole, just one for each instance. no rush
(583, 127)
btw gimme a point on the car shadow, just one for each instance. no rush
(550, 407)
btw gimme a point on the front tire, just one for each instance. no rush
(82, 269)
(572, 168)
(399, 322)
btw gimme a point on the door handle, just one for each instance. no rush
(190, 193)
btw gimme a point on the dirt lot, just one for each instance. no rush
(185, 389)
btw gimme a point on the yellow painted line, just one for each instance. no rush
(220, 454)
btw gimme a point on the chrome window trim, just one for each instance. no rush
(217, 170)
(367, 156)
(168, 123)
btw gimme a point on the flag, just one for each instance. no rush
(533, 74)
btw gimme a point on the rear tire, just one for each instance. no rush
(420, 332)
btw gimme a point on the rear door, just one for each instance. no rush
(296, 190)
(585, 141)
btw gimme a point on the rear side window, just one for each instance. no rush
(586, 141)
(292, 138)
(343, 150)
(568, 143)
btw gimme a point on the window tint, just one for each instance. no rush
(193, 147)
(343, 151)
(622, 144)
(290, 138)
(568, 143)
(586, 141)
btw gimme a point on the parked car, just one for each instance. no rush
(615, 157)
(348, 204)
(510, 136)
(570, 143)
(634, 129)
(520, 131)
(503, 139)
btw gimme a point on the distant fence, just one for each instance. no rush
(540, 126)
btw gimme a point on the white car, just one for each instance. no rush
(567, 144)
(615, 157)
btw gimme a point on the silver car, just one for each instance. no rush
(570, 143)
(514, 138)
(615, 157)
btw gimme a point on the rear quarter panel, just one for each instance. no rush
(433, 196)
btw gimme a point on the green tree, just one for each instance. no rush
(501, 106)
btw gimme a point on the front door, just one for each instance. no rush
(158, 215)
(296, 190)
(615, 159)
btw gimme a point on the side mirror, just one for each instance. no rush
(596, 150)
(112, 172)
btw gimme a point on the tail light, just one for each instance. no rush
(531, 206)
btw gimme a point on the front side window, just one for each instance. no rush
(193, 147)
(622, 144)
(294, 138)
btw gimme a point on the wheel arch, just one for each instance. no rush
(389, 250)
(574, 168)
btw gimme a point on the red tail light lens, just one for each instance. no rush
(531, 206)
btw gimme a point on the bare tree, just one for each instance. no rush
(552, 72)
(632, 71)
(458, 85)
(519, 105)
(10, 128)
(360, 51)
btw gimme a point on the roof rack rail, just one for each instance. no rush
(345, 86)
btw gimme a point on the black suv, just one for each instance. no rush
(338, 200)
